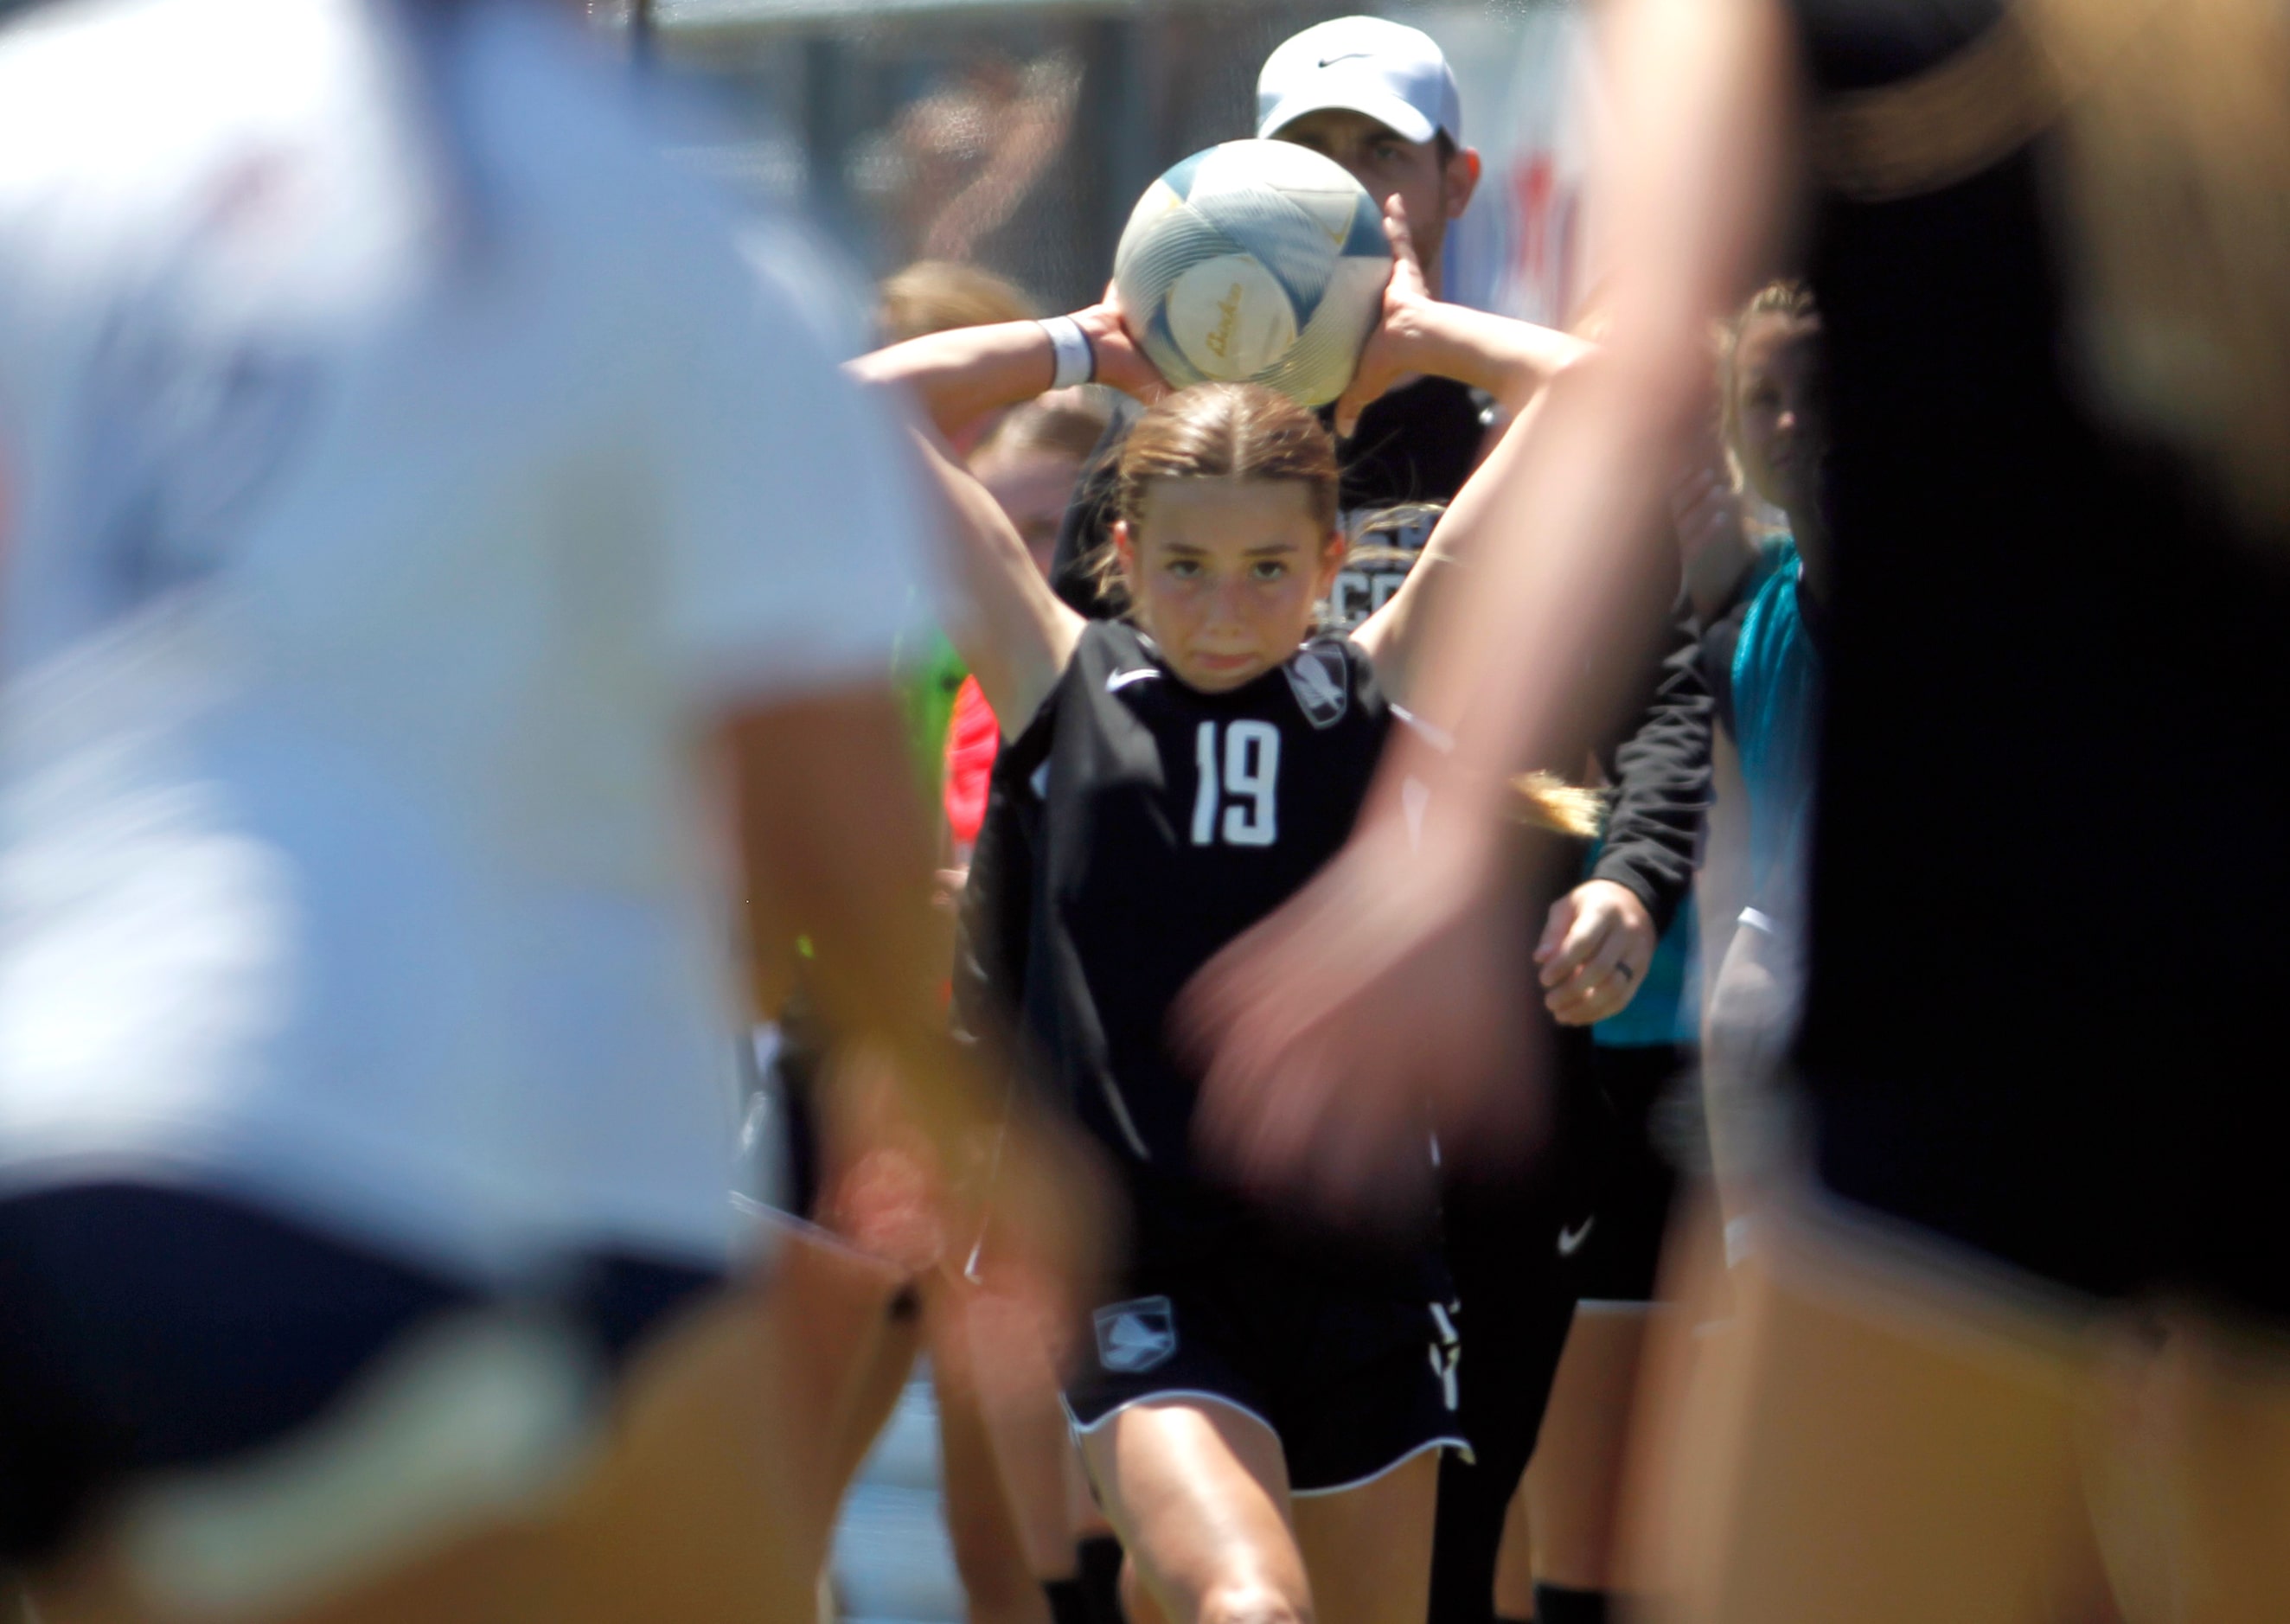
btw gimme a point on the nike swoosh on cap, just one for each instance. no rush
(1348, 56)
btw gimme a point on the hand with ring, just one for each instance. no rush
(1597, 940)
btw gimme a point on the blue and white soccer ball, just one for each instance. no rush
(1255, 261)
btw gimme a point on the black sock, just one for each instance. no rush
(1068, 1605)
(1101, 1579)
(1556, 1605)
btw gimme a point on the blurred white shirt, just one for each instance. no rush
(386, 503)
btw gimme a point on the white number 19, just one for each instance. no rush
(1252, 769)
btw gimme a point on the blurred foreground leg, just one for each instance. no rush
(1848, 1446)
(2187, 1464)
(711, 1494)
(737, 1440)
(1573, 1484)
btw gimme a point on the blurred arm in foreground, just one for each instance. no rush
(1394, 977)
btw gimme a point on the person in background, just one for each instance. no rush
(2011, 1346)
(934, 295)
(1029, 465)
(970, 154)
(1764, 662)
(929, 296)
(1385, 107)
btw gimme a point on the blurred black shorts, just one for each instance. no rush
(151, 1332)
(1610, 1246)
(1355, 1373)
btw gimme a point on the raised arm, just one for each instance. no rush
(1513, 361)
(1394, 635)
(959, 376)
(1509, 359)
(1011, 629)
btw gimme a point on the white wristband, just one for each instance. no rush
(1075, 357)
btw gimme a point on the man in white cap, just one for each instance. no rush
(1379, 98)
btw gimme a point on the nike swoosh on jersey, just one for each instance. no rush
(1570, 1241)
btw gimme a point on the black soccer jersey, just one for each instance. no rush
(1162, 822)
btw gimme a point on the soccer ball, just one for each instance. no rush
(1255, 261)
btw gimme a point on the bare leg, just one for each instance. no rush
(981, 1520)
(1841, 1451)
(2187, 1463)
(1515, 1563)
(1040, 1468)
(1199, 1493)
(1573, 1481)
(1368, 1549)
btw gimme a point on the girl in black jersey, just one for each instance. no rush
(1260, 1406)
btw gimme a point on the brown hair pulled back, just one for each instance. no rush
(1228, 431)
(1068, 423)
(1218, 431)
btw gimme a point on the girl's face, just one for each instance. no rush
(1033, 488)
(1223, 574)
(1778, 404)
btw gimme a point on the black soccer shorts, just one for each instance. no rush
(1610, 1245)
(1354, 1371)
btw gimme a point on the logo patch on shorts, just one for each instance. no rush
(1446, 1351)
(1318, 679)
(1133, 1337)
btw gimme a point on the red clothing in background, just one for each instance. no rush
(973, 738)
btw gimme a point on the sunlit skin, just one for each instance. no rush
(1223, 574)
(1385, 163)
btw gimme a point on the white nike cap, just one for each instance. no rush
(1396, 74)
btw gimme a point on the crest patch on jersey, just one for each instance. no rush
(1317, 677)
(1135, 1337)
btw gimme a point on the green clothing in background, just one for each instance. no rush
(930, 674)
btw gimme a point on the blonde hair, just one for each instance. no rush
(1790, 300)
(1545, 801)
(940, 295)
(2173, 124)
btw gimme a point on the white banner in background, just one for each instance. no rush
(1529, 95)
